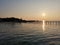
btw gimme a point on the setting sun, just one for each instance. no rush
(43, 14)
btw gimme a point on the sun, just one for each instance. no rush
(43, 14)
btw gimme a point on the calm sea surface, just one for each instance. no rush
(29, 34)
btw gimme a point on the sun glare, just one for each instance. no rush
(43, 14)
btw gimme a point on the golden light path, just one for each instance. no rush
(43, 25)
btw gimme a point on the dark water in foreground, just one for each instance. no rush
(29, 34)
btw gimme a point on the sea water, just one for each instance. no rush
(29, 34)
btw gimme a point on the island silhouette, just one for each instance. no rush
(13, 19)
(17, 20)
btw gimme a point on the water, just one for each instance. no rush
(29, 34)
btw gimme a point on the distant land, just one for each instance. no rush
(13, 19)
(17, 20)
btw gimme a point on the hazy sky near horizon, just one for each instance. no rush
(30, 9)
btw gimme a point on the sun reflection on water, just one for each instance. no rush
(43, 25)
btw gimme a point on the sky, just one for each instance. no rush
(30, 9)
